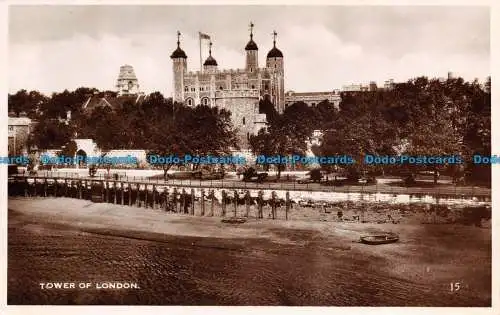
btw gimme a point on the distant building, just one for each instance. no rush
(354, 88)
(19, 129)
(127, 83)
(313, 98)
(110, 100)
(389, 85)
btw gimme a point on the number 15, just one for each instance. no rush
(454, 286)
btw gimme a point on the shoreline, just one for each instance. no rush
(422, 264)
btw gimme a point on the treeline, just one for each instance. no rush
(419, 117)
(155, 124)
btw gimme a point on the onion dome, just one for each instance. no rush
(275, 52)
(210, 60)
(178, 53)
(251, 45)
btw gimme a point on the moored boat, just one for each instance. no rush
(377, 239)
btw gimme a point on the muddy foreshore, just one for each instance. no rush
(187, 260)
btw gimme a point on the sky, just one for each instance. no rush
(52, 48)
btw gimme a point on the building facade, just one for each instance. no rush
(19, 130)
(313, 98)
(236, 90)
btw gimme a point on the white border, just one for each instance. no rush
(87, 310)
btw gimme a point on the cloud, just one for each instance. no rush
(319, 55)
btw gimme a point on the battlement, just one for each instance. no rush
(224, 71)
(237, 94)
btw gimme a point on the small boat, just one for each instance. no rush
(234, 220)
(377, 239)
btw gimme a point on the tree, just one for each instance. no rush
(286, 134)
(51, 134)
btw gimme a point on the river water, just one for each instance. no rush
(170, 270)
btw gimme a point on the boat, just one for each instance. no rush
(377, 239)
(234, 220)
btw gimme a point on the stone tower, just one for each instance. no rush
(274, 62)
(127, 82)
(179, 61)
(252, 58)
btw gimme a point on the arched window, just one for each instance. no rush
(190, 101)
(186, 89)
(253, 86)
(243, 120)
(205, 101)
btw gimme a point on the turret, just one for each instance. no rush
(179, 61)
(274, 62)
(210, 65)
(252, 58)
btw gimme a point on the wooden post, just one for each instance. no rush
(287, 204)
(107, 191)
(146, 191)
(212, 202)
(122, 187)
(129, 186)
(138, 196)
(223, 203)
(174, 206)
(55, 187)
(247, 203)
(80, 189)
(154, 196)
(260, 202)
(25, 187)
(273, 205)
(34, 190)
(235, 211)
(114, 192)
(45, 185)
(183, 205)
(192, 201)
(165, 193)
(102, 190)
(65, 187)
(202, 199)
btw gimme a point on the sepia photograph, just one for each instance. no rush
(249, 155)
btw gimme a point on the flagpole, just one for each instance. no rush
(199, 36)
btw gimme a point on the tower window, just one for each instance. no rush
(204, 101)
(243, 120)
(190, 101)
(248, 135)
(186, 89)
(220, 88)
(193, 89)
(253, 86)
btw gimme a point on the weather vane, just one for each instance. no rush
(251, 29)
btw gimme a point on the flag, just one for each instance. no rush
(204, 36)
